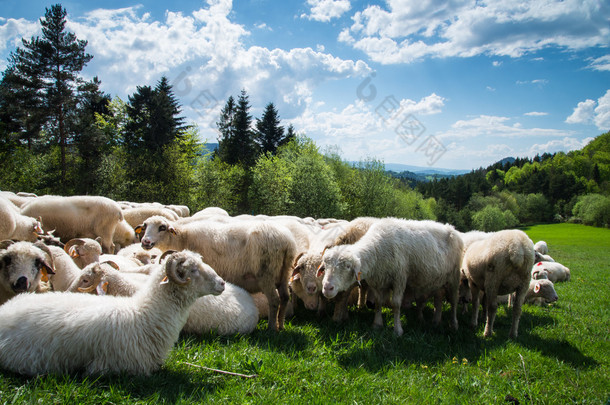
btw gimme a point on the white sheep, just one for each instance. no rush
(539, 292)
(123, 236)
(15, 226)
(18, 199)
(541, 247)
(394, 255)
(137, 215)
(539, 257)
(66, 270)
(77, 217)
(70, 332)
(497, 265)
(83, 251)
(555, 271)
(254, 255)
(105, 278)
(23, 265)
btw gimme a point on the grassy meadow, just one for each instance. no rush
(562, 355)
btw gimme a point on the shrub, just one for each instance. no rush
(593, 209)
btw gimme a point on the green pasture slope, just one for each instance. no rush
(562, 355)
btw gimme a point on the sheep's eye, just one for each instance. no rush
(162, 228)
(38, 263)
(7, 260)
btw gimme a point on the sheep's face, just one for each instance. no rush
(543, 289)
(22, 265)
(304, 281)
(340, 269)
(186, 268)
(155, 232)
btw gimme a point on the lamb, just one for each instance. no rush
(77, 216)
(104, 334)
(397, 254)
(23, 265)
(541, 247)
(15, 226)
(497, 265)
(555, 271)
(256, 256)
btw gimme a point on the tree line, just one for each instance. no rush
(60, 134)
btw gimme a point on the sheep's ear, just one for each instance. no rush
(102, 288)
(296, 259)
(139, 229)
(172, 230)
(321, 270)
(295, 277)
(537, 288)
(112, 264)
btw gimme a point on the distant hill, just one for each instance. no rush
(211, 146)
(421, 173)
(509, 160)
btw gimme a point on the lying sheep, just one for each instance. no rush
(83, 251)
(66, 270)
(15, 226)
(101, 334)
(18, 199)
(539, 257)
(498, 265)
(105, 278)
(394, 255)
(77, 217)
(22, 267)
(541, 247)
(540, 292)
(554, 271)
(254, 255)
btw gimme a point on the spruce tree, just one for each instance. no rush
(269, 133)
(236, 142)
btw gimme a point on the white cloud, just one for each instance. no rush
(326, 10)
(402, 31)
(496, 63)
(602, 63)
(565, 144)
(496, 127)
(540, 82)
(592, 112)
(11, 32)
(536, 114)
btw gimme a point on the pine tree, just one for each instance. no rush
(226, 126)
(269, 133)
(236, 142)
(48, 67)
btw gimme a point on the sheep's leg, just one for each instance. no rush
(438, 308)
(379, 300)
(341, 313)
(476, 302)
(396, 304)
(273, 298)
(491, 307)
(421, 303)
(453, 295)
(517, 304)
(284, 296)
(362, 291)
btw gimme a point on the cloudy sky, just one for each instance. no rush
(450, 84)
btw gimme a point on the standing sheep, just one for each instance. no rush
(77, 217)
(498, 265)
(396, 254)
(254, 255)
(15, 226)
(70, 332)
(22, 267)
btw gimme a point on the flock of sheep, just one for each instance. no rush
(89, 284)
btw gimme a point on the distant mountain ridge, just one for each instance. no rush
(421, 170)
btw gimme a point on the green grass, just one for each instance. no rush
(562, 355)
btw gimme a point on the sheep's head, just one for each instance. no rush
(542, 289)
(304, 281)
(155, 231)
(340, 269)
(187, 269)
(84, 251)
(23, 265)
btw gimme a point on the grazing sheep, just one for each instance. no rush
(498, 265)
(555, 271)
(15, 226)
(394, 255)
(254, 255)
(77, 217)
(100, 334)
(541, 247)
(23, 265)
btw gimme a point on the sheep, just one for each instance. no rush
(304, 281)
(83, 251)
(541, 247)
(499, 264)
(231, 312)
(123, 236)
(17, 199)
(256, 256)
(15, 226)
(539, 257)
(555, 271)
(210, 212)
(397, 254)
(182, 210)
(136, 216)
(23, 265)
(141, 255)
(539, 273)
(66, 270)
(104, 334)
(539, 292)
(77, 216)
(105, 278)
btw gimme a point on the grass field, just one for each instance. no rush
(562, 355)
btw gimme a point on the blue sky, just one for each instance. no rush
(449, 84)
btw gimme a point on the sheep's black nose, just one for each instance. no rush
(21, 285)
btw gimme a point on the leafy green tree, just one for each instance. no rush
(269, 133)
(593, 209)
(219, 185)
(271, 186)
(489, 219)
